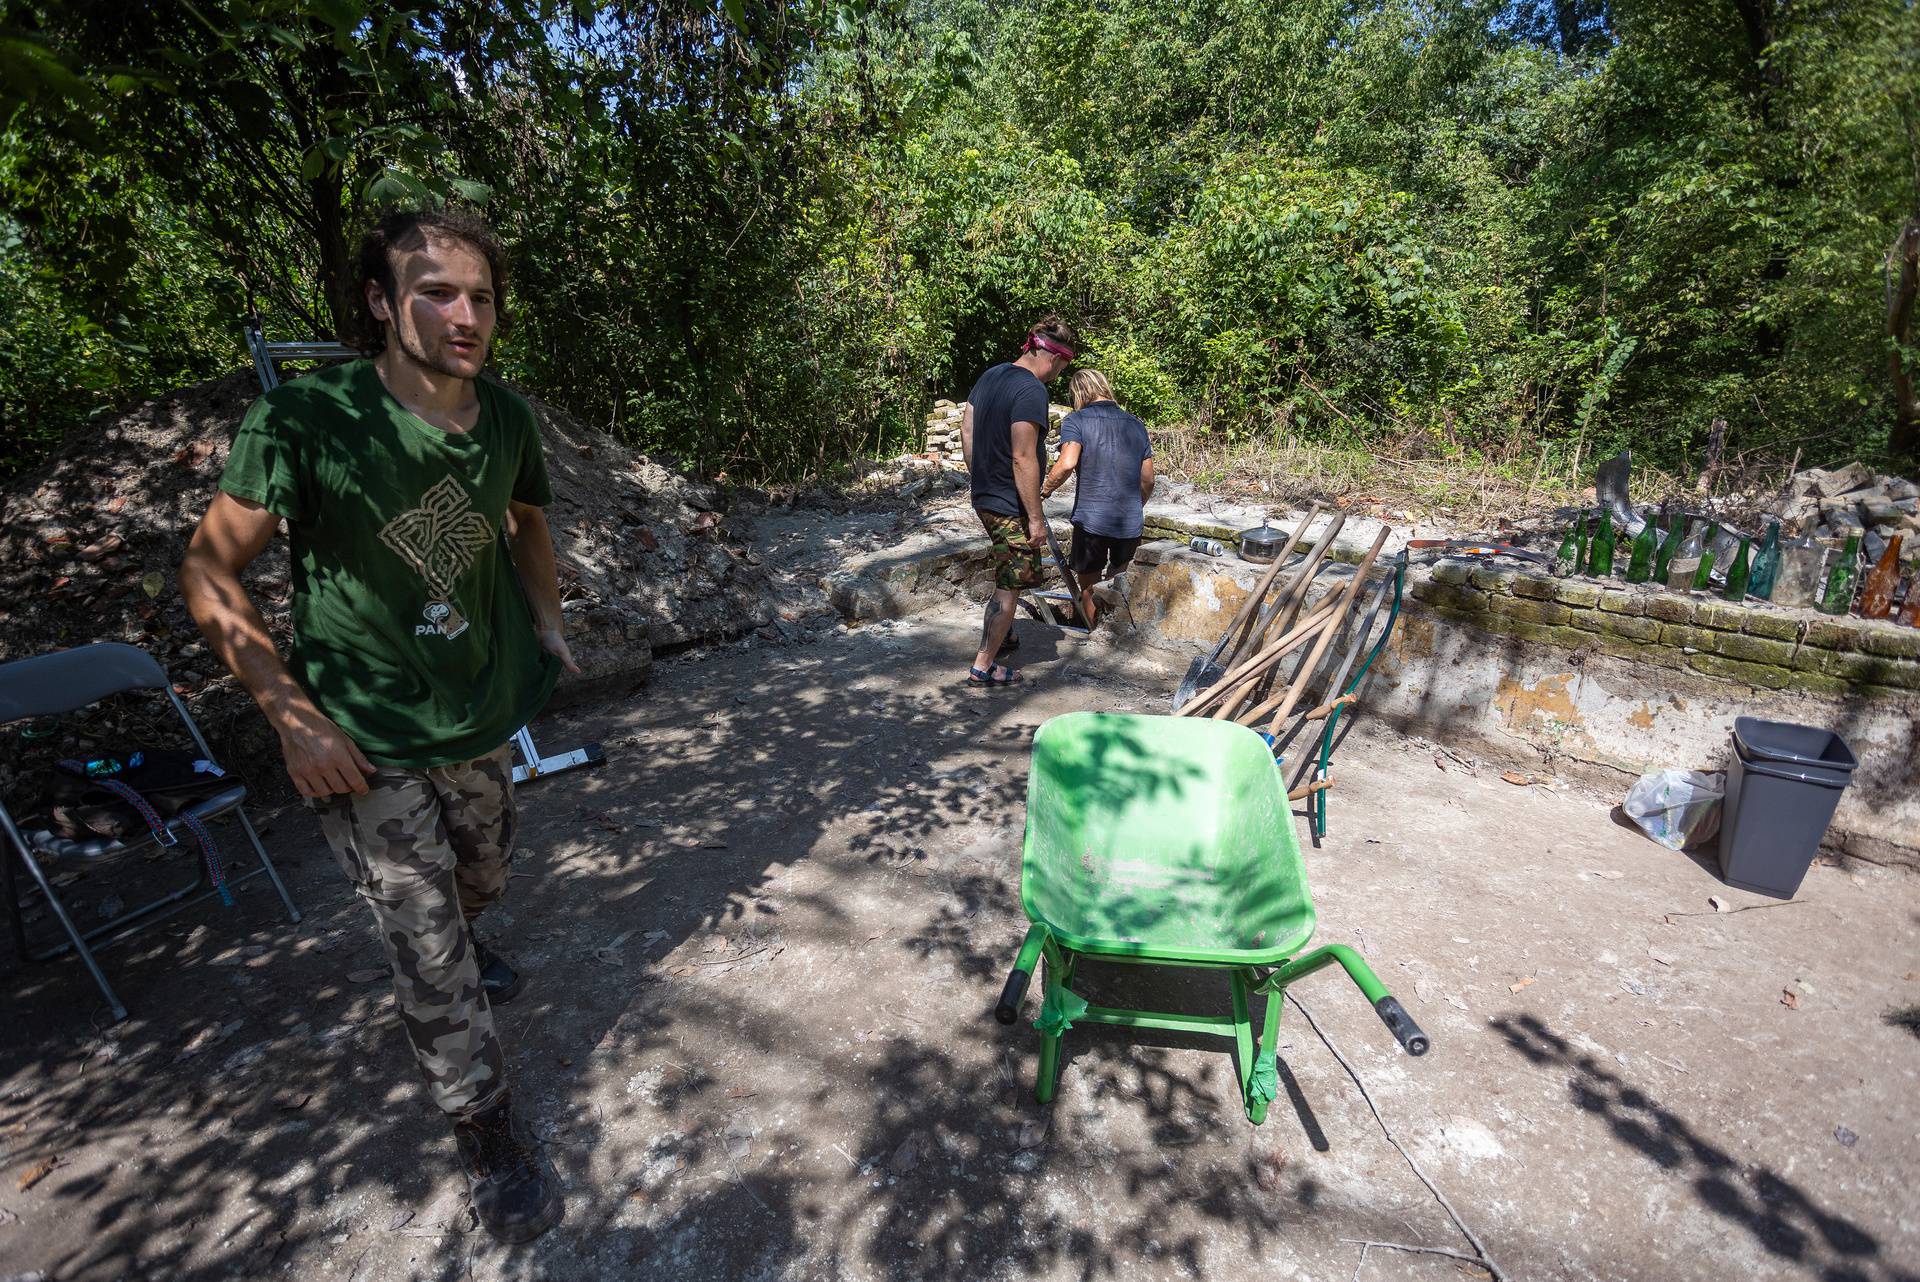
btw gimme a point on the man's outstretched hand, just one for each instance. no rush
(321, 760)
(554, 642)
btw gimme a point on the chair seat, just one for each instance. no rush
(46, 842)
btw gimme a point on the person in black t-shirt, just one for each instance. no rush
(1002, 430)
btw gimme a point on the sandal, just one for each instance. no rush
(1008, 646)
(978, 679)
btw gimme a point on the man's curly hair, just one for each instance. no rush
(407, 230)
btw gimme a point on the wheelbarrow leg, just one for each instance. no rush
(1058, 973)
(1259, 1061)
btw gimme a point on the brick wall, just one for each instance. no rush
(1754, 643)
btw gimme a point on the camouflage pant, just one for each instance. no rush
(1016, 558)
(429, 850)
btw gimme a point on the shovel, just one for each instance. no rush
(1204, 672)
(1610, 488)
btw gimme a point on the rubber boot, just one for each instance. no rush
(515, 1197)
(498, 979)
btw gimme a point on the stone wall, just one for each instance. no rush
(1753, 643)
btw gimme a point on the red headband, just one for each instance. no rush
(1042, 342)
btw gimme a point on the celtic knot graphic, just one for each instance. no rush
(440, 538)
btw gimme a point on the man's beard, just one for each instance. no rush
(416, 352)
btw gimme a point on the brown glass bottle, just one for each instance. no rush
(1876, 595)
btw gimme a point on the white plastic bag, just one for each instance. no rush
(1677, 807)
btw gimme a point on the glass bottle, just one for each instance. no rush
(1739, 574)
(1910, 612)
(1661, 559)
(1840, 579)
(1876, 594)
(1685, 563)
(1802, 566)
(1766, 564)
(1567, 557)
(1580, 545)
(1705, 571)
(1640, 562)
(1600, 551)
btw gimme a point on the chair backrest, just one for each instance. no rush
(51, 684)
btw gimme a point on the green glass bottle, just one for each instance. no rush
(1702, 576)
(1640, 562)
(1676, 531)
(1739, 574)
(1838, 598)
(1600, 551)
(1563, 560)
(1766, 565)
(1580, 545)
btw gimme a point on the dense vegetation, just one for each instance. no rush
(764, 234)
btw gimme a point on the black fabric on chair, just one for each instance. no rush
(55, 684)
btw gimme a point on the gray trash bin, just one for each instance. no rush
(1782, 785)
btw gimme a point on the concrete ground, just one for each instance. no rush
(763, 942)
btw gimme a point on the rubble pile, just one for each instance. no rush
(943, 429)
(1840, 502)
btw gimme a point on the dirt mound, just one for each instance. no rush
(90, 542)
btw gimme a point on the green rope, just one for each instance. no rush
(1059, 1010)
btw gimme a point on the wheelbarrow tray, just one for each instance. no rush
(1170, 841)
(1163, 839)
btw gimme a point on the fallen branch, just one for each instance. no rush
(1366, 1245)
(1744, 908)
(1484, 1260)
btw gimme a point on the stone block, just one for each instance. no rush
(1670, 607)
(1584, 596)
(1830, 634)
(1638, 652)
(1768, 623)
(1630, 627)
(1862, 669)
(1590, 620)
(1753, 674)
(1446, 595)
(1550, 613)
(1542, 634)
(1535, 587)
(1891, 642)
(1454, 572)
(1492, 579)
(1623, 602)
(1683, 634)
(1735, 645)
(1719, 614)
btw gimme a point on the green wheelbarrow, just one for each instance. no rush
(1169, 841)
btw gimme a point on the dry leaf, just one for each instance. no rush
(1515, 777)
(399, 1220)
(37, 1172)
(366, 976)
(741, 1092)
(1789, 999)
(294, 1103)
(152, 582)
(1912, 975)
(1520, 984)
(1665, 959)
(647, 540)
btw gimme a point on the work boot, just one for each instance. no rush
(498, 979)
(515, 1197)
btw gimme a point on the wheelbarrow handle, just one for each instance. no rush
(1401, 1025)
(1012, 995)
(1016, 990)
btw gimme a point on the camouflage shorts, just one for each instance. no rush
(1016, 560)
(428, 850)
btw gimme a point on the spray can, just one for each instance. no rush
(1212, 547)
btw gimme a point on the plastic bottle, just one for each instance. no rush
(1704, 574)
(1212, 547)
(1766, 564)
(1876, 594)
(1685, 563)
(1600, 551)
(1640, 561)
(1838, 595)
(1676, 531)
(1568, 555)
(1738, 575)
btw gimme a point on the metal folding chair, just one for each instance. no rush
(68, 680)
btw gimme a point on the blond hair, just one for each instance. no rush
(1088, 386)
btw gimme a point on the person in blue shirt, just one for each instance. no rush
(1107, 449)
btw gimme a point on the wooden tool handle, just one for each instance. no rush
(1347, 598)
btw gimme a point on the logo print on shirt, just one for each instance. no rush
(440, 539)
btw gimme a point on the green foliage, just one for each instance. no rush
(763, 234)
